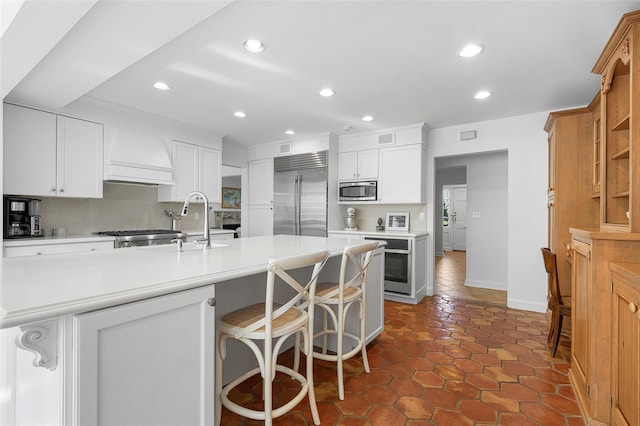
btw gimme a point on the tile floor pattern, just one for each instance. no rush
(450, 276)
(442, 362)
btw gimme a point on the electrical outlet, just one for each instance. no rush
(196, 215)
(421, 215)
(475, 215)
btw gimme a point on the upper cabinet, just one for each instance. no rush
(195, 168)
(402, 177)
(51, 155)
(619, 67)
(358, 165)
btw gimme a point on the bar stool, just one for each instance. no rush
(336, 299)
(272, 323)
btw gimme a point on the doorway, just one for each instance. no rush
(454, 217)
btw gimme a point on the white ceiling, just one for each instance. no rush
(394, 60)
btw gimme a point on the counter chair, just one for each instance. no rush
(335, 300)
(272, 323)
(560, 307)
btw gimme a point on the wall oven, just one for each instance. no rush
(397, 264)
(358, 191)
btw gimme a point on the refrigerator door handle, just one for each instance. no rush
(296, 206)
(299, 202)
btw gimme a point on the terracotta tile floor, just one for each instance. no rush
(443, 361)
(450, 275)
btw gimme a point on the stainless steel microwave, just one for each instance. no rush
(358, 191)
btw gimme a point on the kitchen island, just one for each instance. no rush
(127, 336)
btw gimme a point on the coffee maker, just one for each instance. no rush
(22, 217)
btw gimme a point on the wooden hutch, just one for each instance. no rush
(602, 223)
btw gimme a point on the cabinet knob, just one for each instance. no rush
(53, 190)
(61, 189)
(212, 301)
(633, 307)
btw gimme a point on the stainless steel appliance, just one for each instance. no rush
(358, 191)
(143, 237)
(397, 264)
(21, 217)
(300, 194)
(351, 220)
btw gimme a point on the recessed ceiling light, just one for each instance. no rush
(290, 132)
(326, 92)
(239, 114)
(482, 95)
(253, 45)
(471, 50)
(161, 85)
(367, 118)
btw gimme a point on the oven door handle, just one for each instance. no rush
(397, 251)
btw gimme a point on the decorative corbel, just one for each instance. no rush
(41, 338)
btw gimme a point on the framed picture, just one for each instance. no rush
(230, 198)
(397, 221)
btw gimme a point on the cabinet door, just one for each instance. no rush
(625, 368)
(80, 158)
(580, 340)
(210, 173)
(41, 249)
(147, 363)
(348, 165)
(368, 164)
(29, 151)
(261, 181)
(260, 220)
(185, 169)
(401, 175)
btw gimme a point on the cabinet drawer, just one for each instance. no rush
(57, 248)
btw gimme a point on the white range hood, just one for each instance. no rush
(136, 157)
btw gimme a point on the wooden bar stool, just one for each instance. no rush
(336, 299)
(560, 307)
(272, 323)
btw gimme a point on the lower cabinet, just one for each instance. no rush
(58, 248)
(260, 220)
(580, 338)
(146, 363)
(625, 357)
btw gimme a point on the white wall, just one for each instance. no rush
(525, 141)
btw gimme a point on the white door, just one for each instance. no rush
(447, 223)
(459, 217)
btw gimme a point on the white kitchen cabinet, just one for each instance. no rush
(51, 155)
(260, 197)
(58, 248)
(358, 165)
(147, 363)
(402, 177)
(195, 168)
(261, 181)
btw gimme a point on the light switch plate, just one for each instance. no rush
(421, 215)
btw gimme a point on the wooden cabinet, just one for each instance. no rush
(260, 197)
(625, 357)
(570, 201)
(619, 67)
(149, 362)
(596, 168)
(50, 155)
(358, 165)
(396, 165)
(195, 168)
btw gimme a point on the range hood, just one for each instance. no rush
(136, 157)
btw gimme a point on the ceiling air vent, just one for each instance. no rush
(285, 148)
(386, 139)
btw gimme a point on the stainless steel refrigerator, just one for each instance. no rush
(300, 194)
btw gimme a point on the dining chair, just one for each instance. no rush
(271, 323)
(336, 299)
(560, 307)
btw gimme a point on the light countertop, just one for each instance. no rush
(381, 234)
(36, 288)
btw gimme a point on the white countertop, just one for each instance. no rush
(35, 288)
(382, 234)
(67, 239)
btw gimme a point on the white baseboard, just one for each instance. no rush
(486, 284)
(526, 305)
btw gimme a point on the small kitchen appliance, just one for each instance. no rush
(21, 217)
(351, 220)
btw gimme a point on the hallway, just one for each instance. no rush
(449, 281)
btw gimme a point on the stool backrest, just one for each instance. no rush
(550, 265)
(354, 266)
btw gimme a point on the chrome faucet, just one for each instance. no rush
(185, 209)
